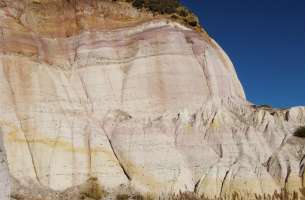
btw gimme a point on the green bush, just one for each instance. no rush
(173, 8)
(158, 6)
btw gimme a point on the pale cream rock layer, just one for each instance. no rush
(109, 92)
(4, 175)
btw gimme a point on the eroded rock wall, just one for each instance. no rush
(104, 90)
(4, 174)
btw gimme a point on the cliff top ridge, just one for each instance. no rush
(74, 16)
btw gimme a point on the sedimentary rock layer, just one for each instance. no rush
(104, 90)
(4, 175)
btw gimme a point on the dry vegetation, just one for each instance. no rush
(93, 190)
(283, 195)
(134, 197)
(171, 8)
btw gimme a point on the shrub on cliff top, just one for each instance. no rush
(160, 6)
(172, 8)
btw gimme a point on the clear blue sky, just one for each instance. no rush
(265, 40)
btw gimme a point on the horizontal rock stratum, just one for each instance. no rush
(131, 98)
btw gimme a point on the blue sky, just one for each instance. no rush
(265, 40)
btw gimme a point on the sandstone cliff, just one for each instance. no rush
(132, 98)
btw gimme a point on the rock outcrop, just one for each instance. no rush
(102, 89)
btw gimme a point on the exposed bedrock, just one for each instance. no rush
(103, 90)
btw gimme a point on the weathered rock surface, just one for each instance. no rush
(4, 175)
(103, 90)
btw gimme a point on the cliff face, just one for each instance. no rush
(101, 89)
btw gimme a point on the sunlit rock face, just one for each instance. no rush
(4, 174)
(103, 90)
